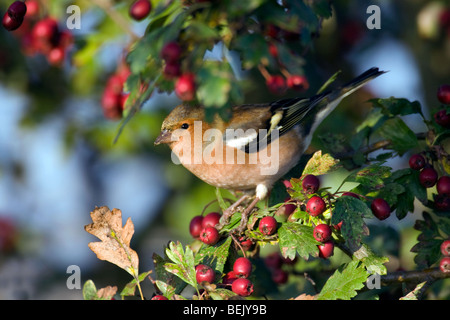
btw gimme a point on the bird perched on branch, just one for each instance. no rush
(256, 147)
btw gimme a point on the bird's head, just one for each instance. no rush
(179, 123)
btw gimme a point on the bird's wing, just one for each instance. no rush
(260, 128)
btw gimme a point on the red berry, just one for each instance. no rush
(445, 247)
(279, 276)
(310, 184)
(140, 9)
(315, 206)
(46, 34)
(444, 265)
(115, 84)
(276, 84)
(380, 208)
(296, 82)
(242, 267)
(32, 8)
(159, 297)
(204, 273)
(442, 118)
(45, 28)
(428, 177)
(17, 10)
(273, 260)
(172, 70)
(443, 94)
(229, 278)
(185, 87)
(11, 24)
(268, 225)
(56, 56)
(443, 185)
(242, 287)
(211, 219)
(287, 208)
(417, 162)
(195, 226)
(326, 249)
(110, 100)
(171, 52)
(351, 194)
(322, 232)
(209, 236)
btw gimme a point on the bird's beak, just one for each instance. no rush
(164, 137)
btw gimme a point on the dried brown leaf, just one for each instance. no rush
(107, 293)
(115, 239)
(305, 296)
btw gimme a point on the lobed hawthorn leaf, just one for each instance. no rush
(167, 282)
(401, 136)
(183, 265)
(297, 238)
(352, 212)
(114, 246)
(370, 178)
(429, 240)
(345, 282)
(397, 106)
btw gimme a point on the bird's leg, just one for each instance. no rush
(245, 215)
(229, 212)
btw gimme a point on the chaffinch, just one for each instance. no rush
(256, 147)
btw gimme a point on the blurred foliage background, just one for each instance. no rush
(58, 159)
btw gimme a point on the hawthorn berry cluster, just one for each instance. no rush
(114, 98)
(38, 35)
(444, 264)
(236, 279)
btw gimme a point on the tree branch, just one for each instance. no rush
(417, 276)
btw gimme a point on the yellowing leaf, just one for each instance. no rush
(320, 164)
(115, 239)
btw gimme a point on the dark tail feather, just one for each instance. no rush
(359, 81)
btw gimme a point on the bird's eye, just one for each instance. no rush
(184, 126)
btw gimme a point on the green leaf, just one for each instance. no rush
(370, 178)
(297, 238)
(413, 295)
(401, 136)
(352, 212)
(222, 294)
(345, 282)
(397, 106)
(130, 287)
(372, 262)
(89, 290)
(215, 256)
(173, 283)
(214, 79)
(183, 266)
